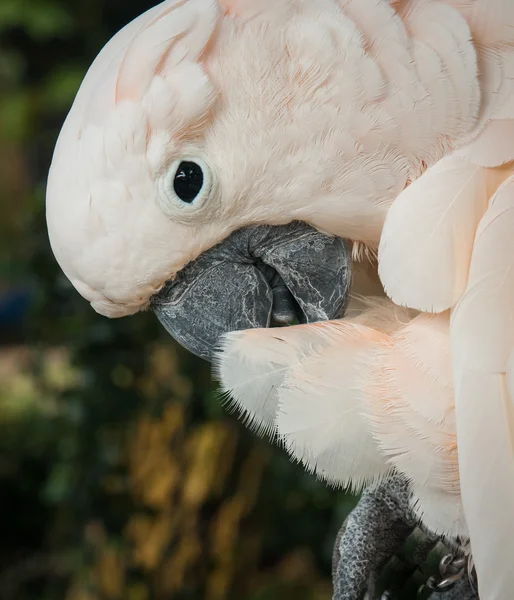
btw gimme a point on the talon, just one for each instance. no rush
(449, 582)
(446, 583)
(460, 563)
(444, 564)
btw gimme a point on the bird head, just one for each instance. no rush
(216, 157)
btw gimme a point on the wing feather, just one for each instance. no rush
(482, 337)
(412, 414)
(322, 404)
(351, 399)
(251, 366)
(429, 231)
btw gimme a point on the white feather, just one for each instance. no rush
(441, 511)
(483, 320)
(322, 407)
(428, 235)
(251, 366)
(412, 415)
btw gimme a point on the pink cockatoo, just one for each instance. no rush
(216, 156)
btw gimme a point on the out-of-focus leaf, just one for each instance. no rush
(12, 67)
(42, 19)
(62, 86)
(15, 116)
(60, 483)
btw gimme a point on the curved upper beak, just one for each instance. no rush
(260, 276)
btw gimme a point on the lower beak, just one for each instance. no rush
(260, 276)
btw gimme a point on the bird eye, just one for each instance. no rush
(185, 187)
(189, 181)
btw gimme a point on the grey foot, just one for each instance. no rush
(374, 532)
(371, 538)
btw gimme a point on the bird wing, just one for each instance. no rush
(350, 399)
(307, 383)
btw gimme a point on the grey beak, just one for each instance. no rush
(260, 276)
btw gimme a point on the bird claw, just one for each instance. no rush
(455, 565)
(451, 570)
(374, 533)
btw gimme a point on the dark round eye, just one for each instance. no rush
(188, 182)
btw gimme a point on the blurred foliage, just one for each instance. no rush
(121, 474)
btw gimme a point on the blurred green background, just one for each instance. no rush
(121, 474)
